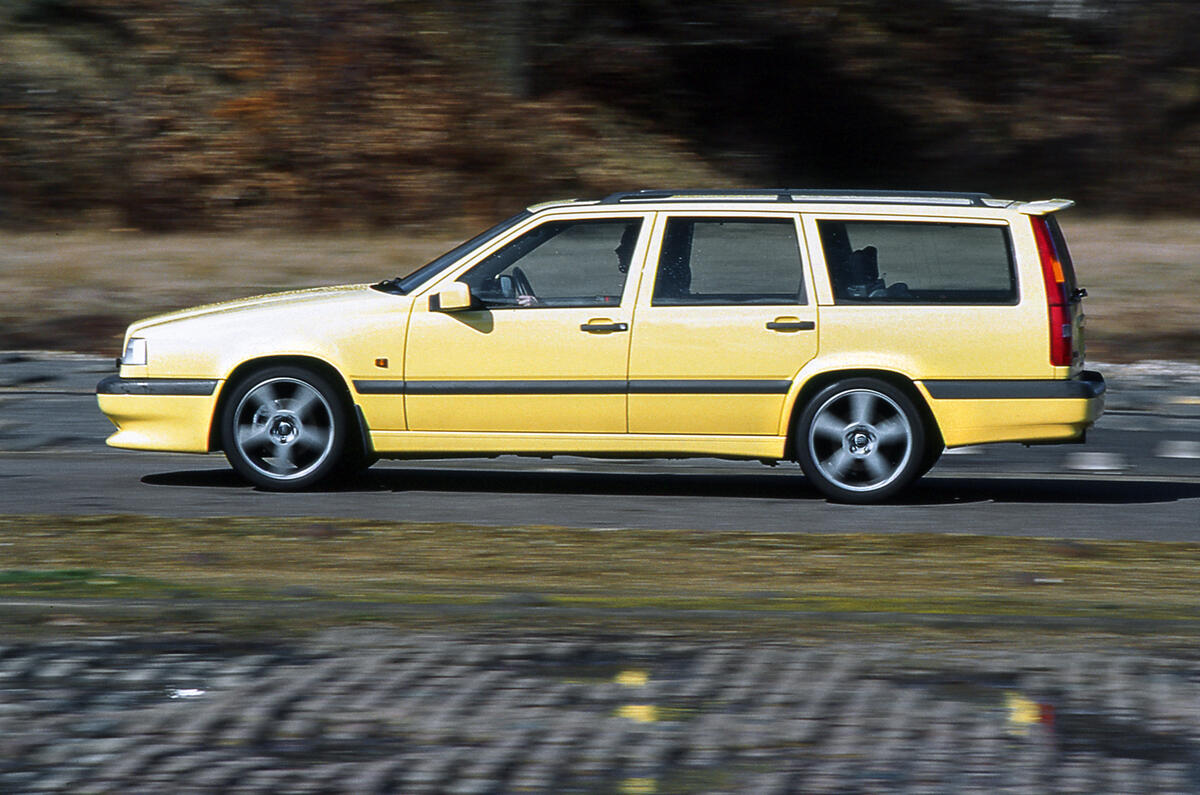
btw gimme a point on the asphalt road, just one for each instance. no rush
(1138, 476)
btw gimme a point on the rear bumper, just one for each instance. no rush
(1028, 410)
(1088, 385)
(167, 414)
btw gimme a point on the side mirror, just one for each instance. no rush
(455, 298)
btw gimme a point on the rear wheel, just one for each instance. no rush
(861, 440)
(284, 428)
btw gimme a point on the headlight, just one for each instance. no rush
(135, 352)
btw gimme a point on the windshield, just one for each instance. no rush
(406, 284)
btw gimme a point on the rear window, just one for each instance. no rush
(904, 262)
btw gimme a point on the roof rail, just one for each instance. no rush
(802, 195)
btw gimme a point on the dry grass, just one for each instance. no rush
(236, 560)
(1143, 282)
(78, 290)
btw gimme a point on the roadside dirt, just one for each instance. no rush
(77, 291)
(384, 570)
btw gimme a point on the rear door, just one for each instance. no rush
(724, 321)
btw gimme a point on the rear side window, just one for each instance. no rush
(918, 263)
(715, 261)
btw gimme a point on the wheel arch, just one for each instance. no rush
(318, 366)
(821, 380)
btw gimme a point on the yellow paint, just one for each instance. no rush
(965, 422)
(632, 678)
(415, 444)
(638, 786)
(639, 713)
(926, 342)
(1022, 713)
(158, 422)
(511, 345)
(696, 415)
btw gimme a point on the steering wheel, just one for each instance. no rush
(521, 283)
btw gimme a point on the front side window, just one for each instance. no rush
(918, 263)
(714, 261)
(559, 264)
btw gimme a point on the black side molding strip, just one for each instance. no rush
(598, 387)
(392, 387)
(397, 387)
(116, 385)
(515, 387)
(1088, 384)
(692, 387)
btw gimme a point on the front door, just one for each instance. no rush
(548, 347)
(723, 328)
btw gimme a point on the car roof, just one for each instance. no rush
(944, 199)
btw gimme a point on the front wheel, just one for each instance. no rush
(284, 428)
(860, 440)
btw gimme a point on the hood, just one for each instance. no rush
(279, 300)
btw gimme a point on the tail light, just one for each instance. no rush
(1058, 302)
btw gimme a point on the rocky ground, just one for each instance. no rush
(367, 712)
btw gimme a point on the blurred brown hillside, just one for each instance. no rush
(198, 114)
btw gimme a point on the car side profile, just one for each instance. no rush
(858, 334)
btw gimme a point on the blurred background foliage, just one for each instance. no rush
(330, 114)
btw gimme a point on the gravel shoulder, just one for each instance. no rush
(358, 711)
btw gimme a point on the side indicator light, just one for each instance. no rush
(381, 362)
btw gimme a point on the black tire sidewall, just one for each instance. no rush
(339, 430)
(912, 468)
(933, 454)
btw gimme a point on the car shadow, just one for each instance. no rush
(932, 490)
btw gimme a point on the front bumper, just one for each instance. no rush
(166, 414)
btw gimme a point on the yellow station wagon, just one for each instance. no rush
(858, 334)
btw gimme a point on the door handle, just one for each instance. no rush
(603, 326)
(791, 325)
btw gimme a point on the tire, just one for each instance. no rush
(284, 428)
(933, 453)
(357, 454)
(861, 440)
(354, 465)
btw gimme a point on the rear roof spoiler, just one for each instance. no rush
(1044, 207)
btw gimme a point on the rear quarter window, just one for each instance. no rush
(902, 262)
